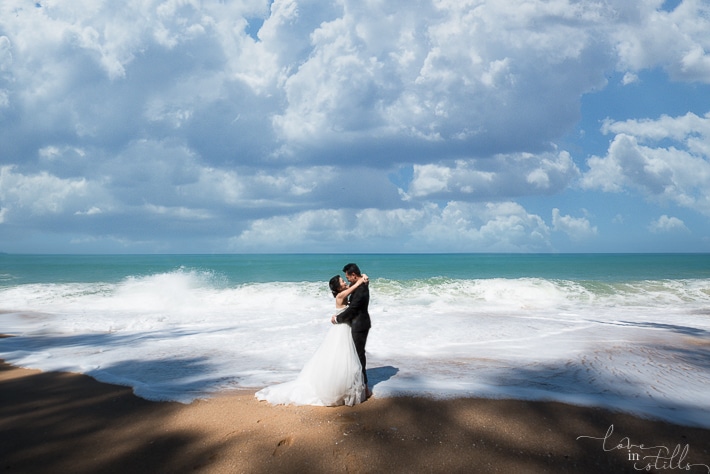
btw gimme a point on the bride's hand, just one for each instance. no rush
(365, 279)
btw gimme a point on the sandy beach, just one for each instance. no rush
(62, 422)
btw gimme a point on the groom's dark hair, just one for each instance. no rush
(352, 268)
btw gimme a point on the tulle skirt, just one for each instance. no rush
(332, 377)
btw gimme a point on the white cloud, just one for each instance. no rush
(638, 158)
(333, 121)
(577, 228)
(646, 37)
(436, 71)
(38, 194)
(457, 227)
(489, 227)
(287, 233)
(391, 223)
(432, 179)
(629, 78)
(502, 175)
(680, 129)
(92, 211)
(318, 73)
(667, 224)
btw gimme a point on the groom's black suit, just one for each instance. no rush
(358, 317)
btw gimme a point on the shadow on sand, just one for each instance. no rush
(377, 375)
(57, 422)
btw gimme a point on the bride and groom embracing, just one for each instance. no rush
(336, 374)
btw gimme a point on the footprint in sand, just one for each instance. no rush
(283, 445)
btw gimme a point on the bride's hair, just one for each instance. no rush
(334, 285)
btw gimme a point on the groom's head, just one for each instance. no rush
(352, 272)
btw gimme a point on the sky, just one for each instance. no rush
(354, 126)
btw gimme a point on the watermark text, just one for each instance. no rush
(647, 458)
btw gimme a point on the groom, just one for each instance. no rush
(357, 316)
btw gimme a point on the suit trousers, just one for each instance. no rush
(360, 339)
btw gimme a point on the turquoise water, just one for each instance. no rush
(238, 269)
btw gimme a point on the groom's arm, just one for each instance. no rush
(358, 300)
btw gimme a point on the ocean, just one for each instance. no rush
(629, 332)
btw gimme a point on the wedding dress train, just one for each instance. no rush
(332, 377)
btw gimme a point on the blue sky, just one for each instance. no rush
(354, 126)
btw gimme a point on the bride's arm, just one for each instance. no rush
(340, 297)
(352, 287)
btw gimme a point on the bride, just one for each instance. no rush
(333, 375)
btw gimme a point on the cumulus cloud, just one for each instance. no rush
(430, 74)
(288, 233)
(39, 194)
(489, 227)
(667, 224)
(577, 228)
(457, 227)
(237, 124)
(499, 176)
(667, 159)
(647, 37)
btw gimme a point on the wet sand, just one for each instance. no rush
(59, 422)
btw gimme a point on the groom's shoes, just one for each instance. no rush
(368, 393)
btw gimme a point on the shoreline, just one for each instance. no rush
(64, 422)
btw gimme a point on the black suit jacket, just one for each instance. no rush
(356, 314)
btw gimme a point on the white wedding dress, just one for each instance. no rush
(332, 377)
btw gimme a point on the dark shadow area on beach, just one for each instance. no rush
(43, 342)
(685, 330)
(697, 355)
(510, 436)
(49, 423)
(54, 422)
(40, 342)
